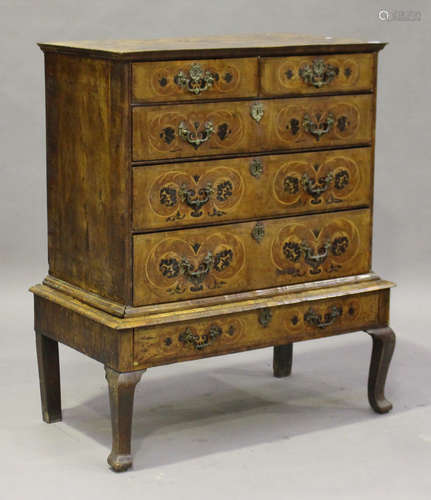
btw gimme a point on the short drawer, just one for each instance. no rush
(193, 130)
(255, 329)
(317, 74)
(201, 262)
(194, 80)
(186, 194)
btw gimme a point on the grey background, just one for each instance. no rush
(223, 428)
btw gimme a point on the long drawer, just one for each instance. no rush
(189, 263)
(166, 196)
(254, 329)
(193, 130)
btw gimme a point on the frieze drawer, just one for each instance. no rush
(193, 130)
(259, 328)
(192, 263)
(186, 194)
(317, 74)
(194, 80)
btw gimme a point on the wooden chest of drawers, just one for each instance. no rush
(207, 196)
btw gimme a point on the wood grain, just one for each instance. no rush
(185, 310)
(196, 193)
(49, 378)
(178, 265)
(157, 81)
(69, 325)
(213, 46)
(88, 174)
(121, 396)
(281, 75)
(156, 129)
(243, 331)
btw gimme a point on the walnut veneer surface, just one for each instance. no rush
(207, 196)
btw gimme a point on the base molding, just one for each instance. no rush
(119, 317)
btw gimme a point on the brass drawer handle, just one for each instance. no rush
(196, 202)
(293, 251)
(318, 129)
(312, 259)
(196, 81)
(318, 74)
(316, 189)
(200, 341)
(196, 138)
(315, 319)
(196, 276)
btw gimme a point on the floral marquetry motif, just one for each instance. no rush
(194, 80)
(235, 189)
(318, 123)
(180, 194)
(256, 328)
(191, 130)
(207, 261)
(194, 338)
(336, 179)
(307, 250)
(219, 128)
(178, 267)
(308, 74)
(337, 313)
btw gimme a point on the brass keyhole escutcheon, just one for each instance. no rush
(256, 111)
(265, 316)
(256, 168)
(258, 232)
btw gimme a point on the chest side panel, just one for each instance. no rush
(87, 173)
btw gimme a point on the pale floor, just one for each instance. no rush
(224, 428)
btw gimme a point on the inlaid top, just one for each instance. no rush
(213, 46)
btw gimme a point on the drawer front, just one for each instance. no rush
(253, 329)
(314, 75)
(245, 188)
(201, 262)
(194, 80)
(193, 130)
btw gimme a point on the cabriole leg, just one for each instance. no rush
(121, 395)
(383, 348)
